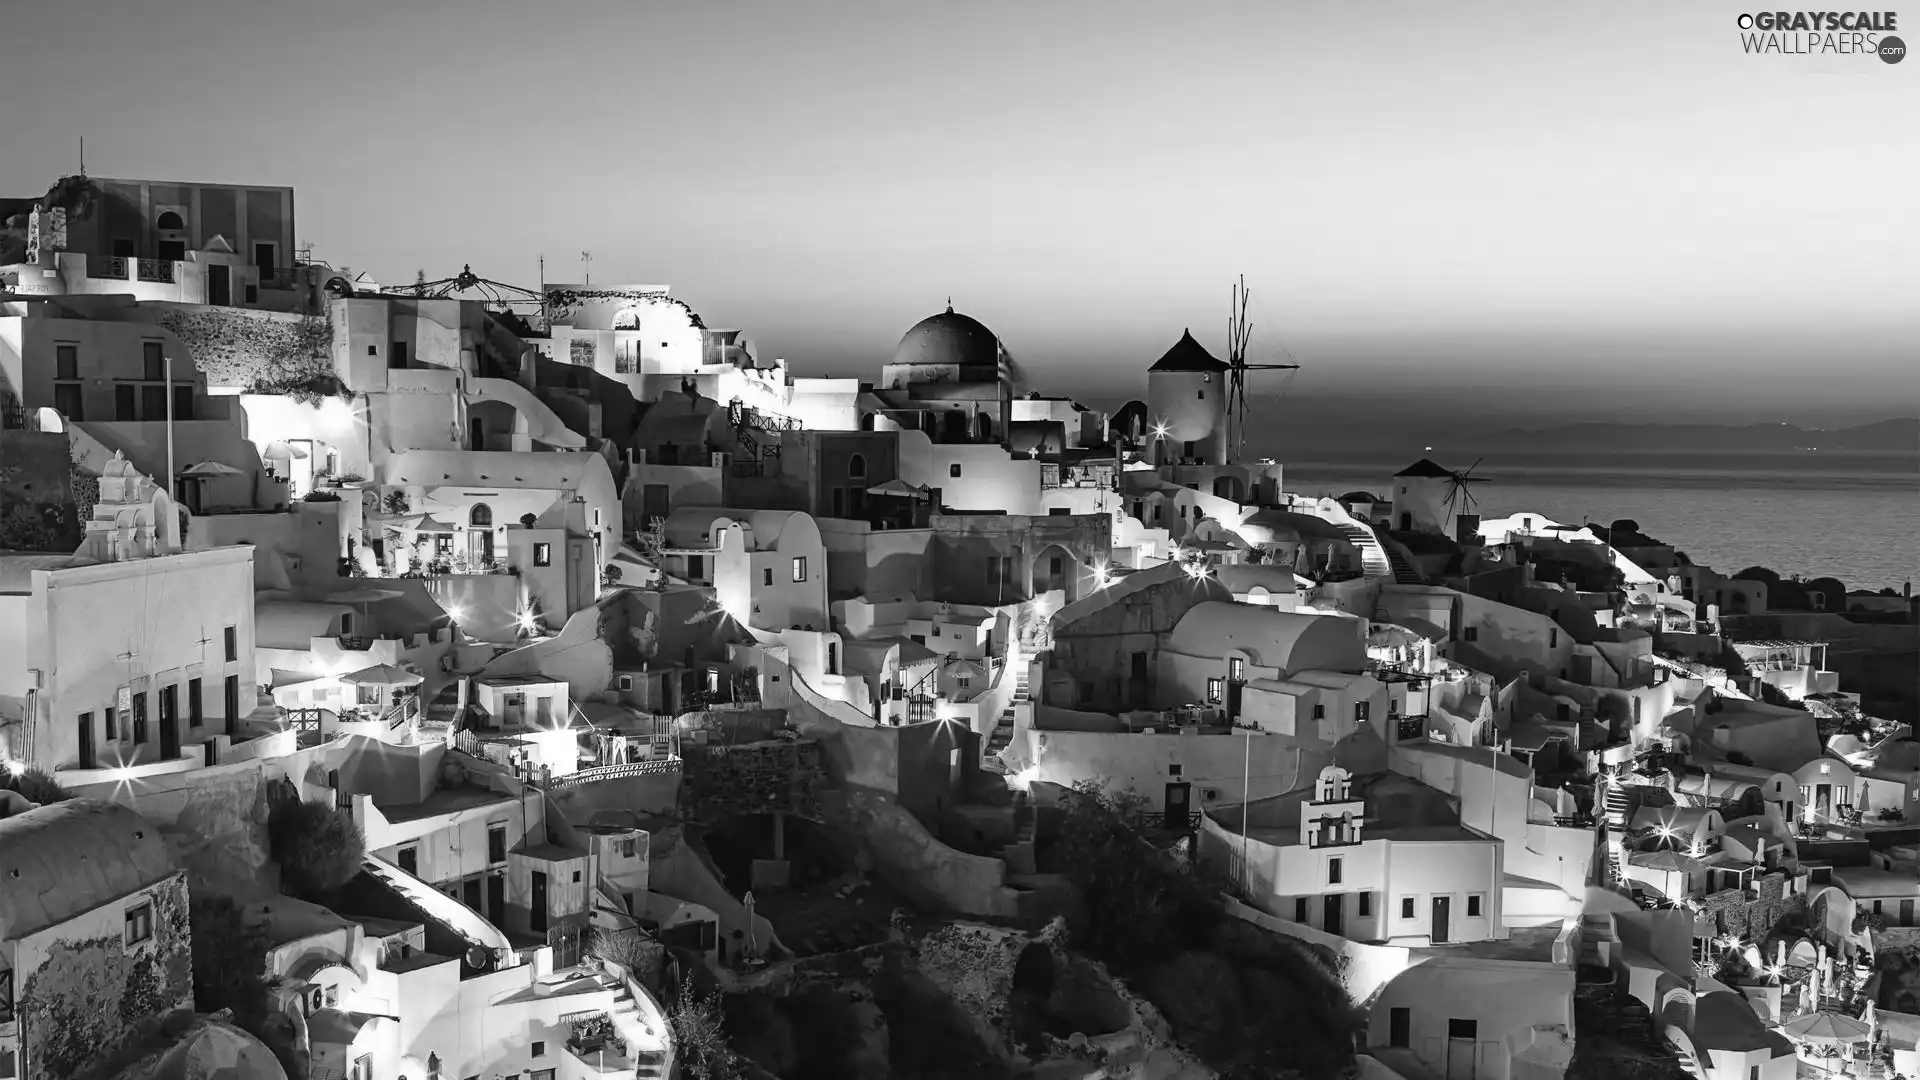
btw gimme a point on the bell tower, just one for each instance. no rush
(1334, 816)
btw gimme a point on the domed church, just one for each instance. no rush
(951, 378)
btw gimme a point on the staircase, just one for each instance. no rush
(1403, 571)
(648, 1064)
(1002, 734)
(1373, 558)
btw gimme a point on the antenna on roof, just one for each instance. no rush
(83, 155)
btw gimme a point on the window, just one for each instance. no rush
(1553, 639)
(857, 467)
(1300, 909)
(1399, 1026)
(1473, 905)
(194, 711)
(497, 843)
(1173, 771)
(111, 729)
(1319, 712)
(373, 350)
(1362, 710)
(800, 568)
(397, 354)
(1462, 1029)
(408, 860)
(140, 718)
(1366, 905)
(543, 554)
(1214, 688)
(182, 401)
(539, 1049)
(1753, 1072)
(766, 575)
(124, 409)
(66, 361)
(626, 682)
(154, 361)
(153, 402)
(954, 469)
(139, 923)
(1406, 907)
(1471, 633)
(362, 1068)
(1333, 871)
(233, 644)
(1237, 669)
(1200, 395)
(545, 1074)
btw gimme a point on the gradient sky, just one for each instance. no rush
(1603, 210)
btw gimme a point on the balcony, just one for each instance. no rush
(107, 267)
(156, 270)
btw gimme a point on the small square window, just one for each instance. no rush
(1173, 771)
(766, 575)
(1319, 712)
(139, 923)
(1333, 871)
(1300, 909)
(1237, 669)
(800, 568)
(373, 350)
(1471, 633)
(953, 470)
(1406, 907)
(1473, 906)
(626, 682)
(1215, 690)
(1366, 905)
(576, 877)
(539, 1049)
(543, 554)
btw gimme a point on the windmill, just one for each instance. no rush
(1460, 508)
(1239, 331)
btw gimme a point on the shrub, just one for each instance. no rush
(699, 1035)
(34, 785)
(319, 849)
(1140, 906)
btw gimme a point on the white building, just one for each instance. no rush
(1390, 864)
(130, 657)
(768, 568)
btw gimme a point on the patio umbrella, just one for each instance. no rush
(281, 451)
(382, 675)
(425, 523)
(1827, 1027)
(205, 469)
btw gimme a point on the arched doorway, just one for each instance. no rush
(1053, 568)
(982, 428)
(480, 533)
(1228, 487)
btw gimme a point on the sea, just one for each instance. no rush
(1851, 517)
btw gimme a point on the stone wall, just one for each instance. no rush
(782, 776)
(94, 998)
(38, 510)
(1731, 912)
(268, 351)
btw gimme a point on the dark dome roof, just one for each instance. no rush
(1188, 355)
(949, 338)
(1426, 468)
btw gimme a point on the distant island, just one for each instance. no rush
(1896, 436)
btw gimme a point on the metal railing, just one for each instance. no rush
(112, 267)
(597, 773)
(160, 270)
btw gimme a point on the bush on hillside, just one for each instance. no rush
(319, 849)
(1140, 907)
(34, 785)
